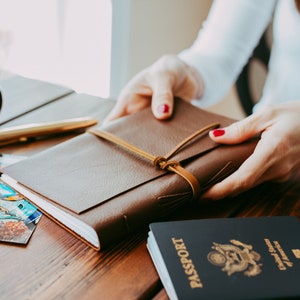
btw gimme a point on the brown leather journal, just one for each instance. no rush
(113, 180)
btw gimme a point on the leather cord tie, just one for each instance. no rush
(161, 162)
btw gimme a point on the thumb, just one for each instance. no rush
(237, 132)
(162, 98)
(117, 111)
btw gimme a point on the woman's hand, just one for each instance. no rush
(276, 156)
(157, 86)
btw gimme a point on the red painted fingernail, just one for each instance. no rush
(218, 132)
(163, 109)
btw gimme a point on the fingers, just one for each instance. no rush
(157, 86)
(159, 96)
(246, 177)
(263, 165)
(241, 131)
(116, 112)
(135, 96)
(254, 170)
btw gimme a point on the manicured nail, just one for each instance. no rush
(163, 109)
(218, 132)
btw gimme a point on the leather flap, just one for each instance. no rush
(86, 171)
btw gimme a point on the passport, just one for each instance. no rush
(228, 258)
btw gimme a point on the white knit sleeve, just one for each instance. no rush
(225, 42)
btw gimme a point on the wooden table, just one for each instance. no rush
(56, 265)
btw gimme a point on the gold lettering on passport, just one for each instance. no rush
(281, 259)
(235, 257)
(187, 264)
(296, 252)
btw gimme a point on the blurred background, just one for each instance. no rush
(96, 46)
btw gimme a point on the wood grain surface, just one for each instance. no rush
(56, 265)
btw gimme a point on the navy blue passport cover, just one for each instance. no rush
(230, 258)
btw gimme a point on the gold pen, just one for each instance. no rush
(23, 132)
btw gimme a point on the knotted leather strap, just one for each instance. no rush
(162, 162)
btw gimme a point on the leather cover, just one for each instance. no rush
(117, 192)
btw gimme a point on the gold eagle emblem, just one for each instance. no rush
(235, 257)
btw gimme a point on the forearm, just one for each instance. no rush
(225, 43)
